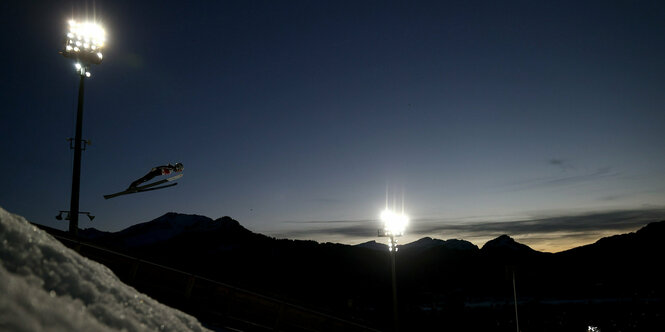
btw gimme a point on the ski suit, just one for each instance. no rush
(155, 171)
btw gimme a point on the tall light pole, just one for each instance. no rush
(394, 225)
(84, 44)
(517, 320)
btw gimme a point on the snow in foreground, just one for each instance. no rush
(45, 286)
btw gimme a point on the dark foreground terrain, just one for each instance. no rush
(228, 276)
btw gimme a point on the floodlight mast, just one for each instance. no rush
(84, 44)
(394, 226)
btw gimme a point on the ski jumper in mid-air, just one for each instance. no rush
(157, 171)
(136, 186)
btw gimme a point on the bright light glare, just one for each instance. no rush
(88, 31)
(85, 42)
(394, 223)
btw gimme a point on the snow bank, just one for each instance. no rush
(45, 286)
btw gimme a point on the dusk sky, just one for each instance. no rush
(543, 120)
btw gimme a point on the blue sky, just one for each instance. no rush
(297, 117)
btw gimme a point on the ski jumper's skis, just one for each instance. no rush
(147, 187)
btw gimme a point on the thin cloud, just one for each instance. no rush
(561, 163)
(612, 197)
(556, 162)
(536, 229)
(592, 222)
(327, 201)
(557, 181)
(329, 221)
(360, 230)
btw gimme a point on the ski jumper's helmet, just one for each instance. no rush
(178, 167)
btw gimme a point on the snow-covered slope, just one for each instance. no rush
(45, 286)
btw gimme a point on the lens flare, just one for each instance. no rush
(394, 223)
(85, 42)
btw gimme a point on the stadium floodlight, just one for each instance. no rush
(85, 45)
(394, 223)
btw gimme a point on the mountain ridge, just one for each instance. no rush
(172, 224)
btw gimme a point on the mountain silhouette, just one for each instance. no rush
(505, 243)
